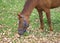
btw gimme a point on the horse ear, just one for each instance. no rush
(19, 16)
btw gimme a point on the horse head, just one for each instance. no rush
(23, 24)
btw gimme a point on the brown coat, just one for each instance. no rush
(40, 5)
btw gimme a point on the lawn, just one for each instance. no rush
(9, 22)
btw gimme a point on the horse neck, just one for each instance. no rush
(28, 7)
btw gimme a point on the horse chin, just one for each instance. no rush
(21, 31)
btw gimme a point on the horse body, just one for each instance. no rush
(48, 4)
(55, 3)
(40, 5)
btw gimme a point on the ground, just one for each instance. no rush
(9, 24)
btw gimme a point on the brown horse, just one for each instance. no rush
(40, 5)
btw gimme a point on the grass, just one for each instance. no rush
(9, 19)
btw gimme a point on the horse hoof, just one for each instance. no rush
(21, 31)
(41, 30)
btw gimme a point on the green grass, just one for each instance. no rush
(9, 19)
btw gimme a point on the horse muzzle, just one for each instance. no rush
(21, 31)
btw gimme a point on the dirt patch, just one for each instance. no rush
(35, 37)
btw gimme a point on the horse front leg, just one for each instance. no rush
(41, 20)
(48, 18)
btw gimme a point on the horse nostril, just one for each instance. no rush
(21, 31)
